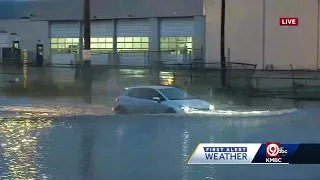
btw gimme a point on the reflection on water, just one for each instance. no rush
(209, 168)
(142, 146)
(185, 154)
(19, 138)
(25, 76)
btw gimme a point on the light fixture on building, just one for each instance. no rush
(25, 17)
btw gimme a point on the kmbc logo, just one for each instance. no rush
(273, 150)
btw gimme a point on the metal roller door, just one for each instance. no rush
(138, 30)
(63, 51)
(175, 28)
(101, 42)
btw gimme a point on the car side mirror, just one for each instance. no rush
(156, 99)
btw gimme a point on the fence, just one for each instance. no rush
(189, 71)
(175, 74)
(100, 56)
(127, 57)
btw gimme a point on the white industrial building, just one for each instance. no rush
(172, 31)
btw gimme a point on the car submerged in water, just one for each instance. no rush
(158, 100)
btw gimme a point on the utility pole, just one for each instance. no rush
(87, 70)
(87, 29)
(318, 19)
(222, 43)
(263, 33)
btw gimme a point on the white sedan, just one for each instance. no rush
(158, 99)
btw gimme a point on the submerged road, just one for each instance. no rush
(65, 139)
(73, 143)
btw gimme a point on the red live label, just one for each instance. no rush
(289, 21)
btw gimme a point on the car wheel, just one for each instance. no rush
(170, 110)
(121, 110)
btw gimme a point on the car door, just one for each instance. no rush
(141, 101)
(134, 102)
(152, 106)
(138, 100)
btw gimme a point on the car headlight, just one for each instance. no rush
(211, 107)
(185, 108)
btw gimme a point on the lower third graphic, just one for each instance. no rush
(234, 153)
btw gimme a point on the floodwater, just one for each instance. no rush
(71, 142)
(65, 138)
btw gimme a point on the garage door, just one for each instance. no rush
(133, 42)
(101, 42)
(64, 42)
(176, 40)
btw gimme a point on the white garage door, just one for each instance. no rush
(176, 40)
(101, 42)
(64, 41)
(133, 41)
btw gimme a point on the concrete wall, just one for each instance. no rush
(28, 33)
(113, 9)
(244, 32)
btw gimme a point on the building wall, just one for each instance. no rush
(104, 9)
(152, 26)
(244, 32)
(28, 33)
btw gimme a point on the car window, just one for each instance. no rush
(175, 94)
(145, 93)
(133, 93)
(150, 93)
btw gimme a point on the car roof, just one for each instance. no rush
(151, 87)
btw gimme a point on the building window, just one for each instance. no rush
(64, 45)
(176, 45)
(71, 45)
(133, 43)
(101, 45)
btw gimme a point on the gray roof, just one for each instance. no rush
(100, 9)
(16, 9)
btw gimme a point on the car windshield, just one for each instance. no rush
(175, 94)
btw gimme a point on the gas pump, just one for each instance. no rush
(39, 60)
(16, 52)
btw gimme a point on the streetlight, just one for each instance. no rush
(222, 43)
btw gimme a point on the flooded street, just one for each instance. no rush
(37, 145)
(66, 138)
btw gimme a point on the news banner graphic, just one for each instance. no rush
(256, 153)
